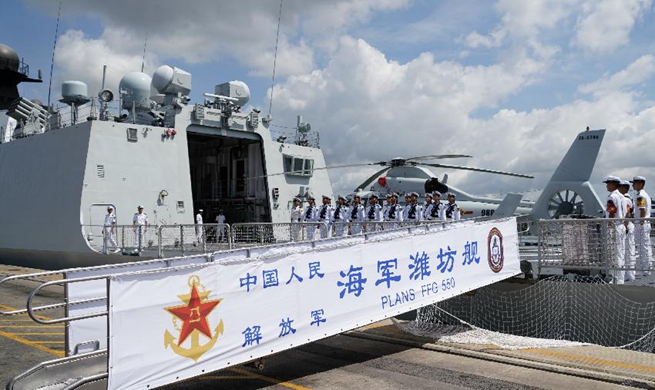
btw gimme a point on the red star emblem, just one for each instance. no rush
(194, 315)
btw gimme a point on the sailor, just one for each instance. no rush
(406, 206)
(614, 209)
(451, 211)
(220, 225)
(413, 210)
(309, 217)
(427, 208)
(199, 228)
(325, 214)
(642, 224)
(108, 231)
(628, 210)
(373, 214)
(394, 213)
(340, 216)
(296, 218)
(437, 208)
(140, 227)
(385, 207)
(356, 215)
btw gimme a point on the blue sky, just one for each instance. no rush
(510, 82)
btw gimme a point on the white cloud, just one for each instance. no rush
(606, 24)
(636, 73)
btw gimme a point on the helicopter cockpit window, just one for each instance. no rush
(298, 166)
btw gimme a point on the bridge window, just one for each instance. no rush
(298, 166)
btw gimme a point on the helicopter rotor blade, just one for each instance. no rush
(383, 163)
(438, 157)
(372, 178)
(479, 170)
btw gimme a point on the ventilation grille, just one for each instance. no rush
(100, 171)
(132, 135)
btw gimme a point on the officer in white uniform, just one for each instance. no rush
(437, 206)
(340, 216)
(296, 218)
(451, 211)
(325, 214)
(356, 215)
(309, 217)
(615, 209)
(220, 220)
(140, 227)
(414, 211)
(394, 213)
(628, 209)
(108, 231)
(407, 206)
(427, 208)
(642, 227)
(373, 213)
(385, 207)
(200, 231)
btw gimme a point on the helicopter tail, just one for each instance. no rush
(569, 192)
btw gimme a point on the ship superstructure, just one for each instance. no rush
(163, 152)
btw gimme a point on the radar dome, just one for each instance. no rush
(135, 89)
(171, 80)
(234, 89)
(8, 58)
(74, 90)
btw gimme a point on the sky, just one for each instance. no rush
(509, 82)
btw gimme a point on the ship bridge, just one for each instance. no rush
(147, 324)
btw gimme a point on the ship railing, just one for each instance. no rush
(184, 239)
(130, 239)
(592, 246)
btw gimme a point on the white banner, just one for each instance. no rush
(178, 323)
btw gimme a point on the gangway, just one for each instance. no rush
(147, 324)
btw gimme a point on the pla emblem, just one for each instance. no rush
(190, 320)
(495, 250)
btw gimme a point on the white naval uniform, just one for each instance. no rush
(394, 214)
(450, 212)
(296, 218)
(427, 212)
(340, 218)
(309, 215)
(412, 212)
(140, 220)
(615, 200)
(629, 255)
(642, 231)
(437, 208)
(374, 214)
(220, 220)
(108, 233)
(324, 216)
(356, 216)
(199, 228)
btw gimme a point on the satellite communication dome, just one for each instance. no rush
(135, 89)
(234, 89)
(74, 90)
(8, 58)
(171, 80)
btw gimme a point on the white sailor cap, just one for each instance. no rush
(311, 198)
(296, 199)
(388, 196)
(326, 197)
(373, 195)
(200, 210)
(139, 207)
(413, 194)
(428, 195)
(436, 193)
(624, 183)
(612, 179)
(394, 195)
(451, 194)
(342, 198)
(638, 178)
(110, 207)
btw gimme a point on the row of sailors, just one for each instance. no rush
(392, 211)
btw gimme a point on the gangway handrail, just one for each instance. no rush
(23, 276)
(85, 380)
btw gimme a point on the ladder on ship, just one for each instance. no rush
(126, 323)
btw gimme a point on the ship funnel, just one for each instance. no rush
(134, 89)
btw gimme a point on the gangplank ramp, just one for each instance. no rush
(169, 323)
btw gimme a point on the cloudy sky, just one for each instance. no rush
(510, 82)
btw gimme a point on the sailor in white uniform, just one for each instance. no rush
(427, 208)
(414, 211)
(394, 213)
(385, 208)
(340, 216)
(140, 227)
(325, 214)
(220, 221)
(451, 211)
(356, 215)
(628, 208)
(200, 231)
(373, 214)
(642, 227)
(407, 206)
(108, 231)
(614, 209)
(437, 206)
(309, 218)
(296, 218)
